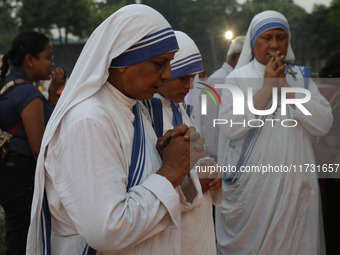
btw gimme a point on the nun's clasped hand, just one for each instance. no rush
(189, 134)
(180, 149)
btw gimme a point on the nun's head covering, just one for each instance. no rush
(150, 46)
(132, 34)
(235, 46)
(188, 59)
(260, 23)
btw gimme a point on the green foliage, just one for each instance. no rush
(169, 9)
(5, 42)
(8, 25)
(316, 20)
(333, 21)
(70, 15)
(204, 15)
(205, 21)
(322, 29)
(73, 15)
(76, 17)
(100, 11)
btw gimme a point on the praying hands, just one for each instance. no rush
(180, 149)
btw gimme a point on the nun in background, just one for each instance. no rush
(208, 131)
(198, 234)
(100, 179)
(275, 212)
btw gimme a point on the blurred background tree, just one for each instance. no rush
(70, 22)
(206, 22)
(8, 24)
(61, 17)
(322, 29)
(64, 19)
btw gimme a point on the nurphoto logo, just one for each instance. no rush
(204, 97)
(279, 98)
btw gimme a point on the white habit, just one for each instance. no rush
(271, 213)
(278, 211)
(105, 123)
(198, 234)
(86, 153)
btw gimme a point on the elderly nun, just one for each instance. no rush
(101, 186)
(271, 198)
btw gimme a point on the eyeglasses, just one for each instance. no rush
(49, 57)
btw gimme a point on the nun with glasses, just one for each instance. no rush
(271, 201)
(104, 184)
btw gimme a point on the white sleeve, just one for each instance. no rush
(91, 179)
(320, 122)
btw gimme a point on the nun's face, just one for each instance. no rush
(140, 81)
(177, 89)
(273, 42)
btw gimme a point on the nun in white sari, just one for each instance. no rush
(198, 234)
(270, 212)
(106, 188)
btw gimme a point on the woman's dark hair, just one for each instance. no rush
(28, 42)
(332, 67)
